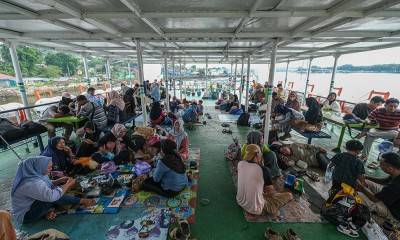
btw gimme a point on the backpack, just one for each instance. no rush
(113, 114)
(9, 131)
(342, 204)
(244, 120)
(233, 151)
(30, 127)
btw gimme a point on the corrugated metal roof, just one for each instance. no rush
(191, 30)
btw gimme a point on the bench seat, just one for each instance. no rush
(123, 122)
(311, 135)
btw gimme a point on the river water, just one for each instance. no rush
(356, 86)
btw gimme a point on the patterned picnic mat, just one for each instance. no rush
(296, 211)
(152, 225)
(182, 206)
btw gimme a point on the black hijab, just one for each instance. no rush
(155, 111)
(330, 102)
(314, 114)
(129, 100)
(96, 132)
(171, 158)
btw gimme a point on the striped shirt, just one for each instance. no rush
(386, 121)
(99, 116)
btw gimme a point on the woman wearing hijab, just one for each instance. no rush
(88, 144)
(331, 104)
(313, 115)
(169, 178)
(34, 195)
(179, 136)
(61, 155)
(231, 102)
(155, 92)
(270, 160)
(291, 118)
(114, 146)
(156, 114)
(129, 100)
(292, 102)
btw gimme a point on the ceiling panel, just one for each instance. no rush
(29, 26)
(193, 5)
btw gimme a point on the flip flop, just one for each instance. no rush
(184, 227)
(313, 176)
(373, 165)
(177, 234)
(227, 131)
(225, 125)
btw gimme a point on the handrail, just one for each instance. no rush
(34, 106)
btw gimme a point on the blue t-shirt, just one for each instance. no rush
(170, 180)
(190, 109)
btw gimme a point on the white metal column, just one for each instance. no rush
(173, 76)
(166, 83)
(287, 69)
(129, 73)
(336, 56)
(270, 87)
(85, 65)
(207, 77)
(234, 78)
(20, 80)
(109, 73)
(231, 78)
(180, 79)
(308, 80)
(247, 84)
(141, 81)
(241, 83)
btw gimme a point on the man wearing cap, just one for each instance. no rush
(57, 112)
(255, 192)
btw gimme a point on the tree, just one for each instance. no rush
(66, 62)
(49, 72)
(29, 58)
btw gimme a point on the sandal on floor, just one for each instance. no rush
(313, 176)
(137, 183)
(373, 165)
(176, 233)
(225, 125)
(184, 227)
(226, 131)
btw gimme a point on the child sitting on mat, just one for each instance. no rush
(348, 166)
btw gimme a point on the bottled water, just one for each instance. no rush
(328, 175)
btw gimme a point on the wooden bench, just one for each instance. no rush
(311, 135)
(123, 122)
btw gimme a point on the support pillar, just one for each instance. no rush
(20, 80)
(85, 65)
(129, 72)
(207, 76)
(287, 69)
(234, 78)
(180, 79)
(166, 83)
(241, 83)
(308, 80)
(336, 56)
(141, 81)
(173, 76)
(231, 78)
(109, 73)
(270, 87)
(247, 84)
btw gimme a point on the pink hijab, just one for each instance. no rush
(119, 132)
(116, 100)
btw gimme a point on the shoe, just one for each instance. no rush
(270, 234)
(176, 233)
(347, 231)
(184, 227)
(291, 235)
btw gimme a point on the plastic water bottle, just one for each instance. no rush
(328, 175)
